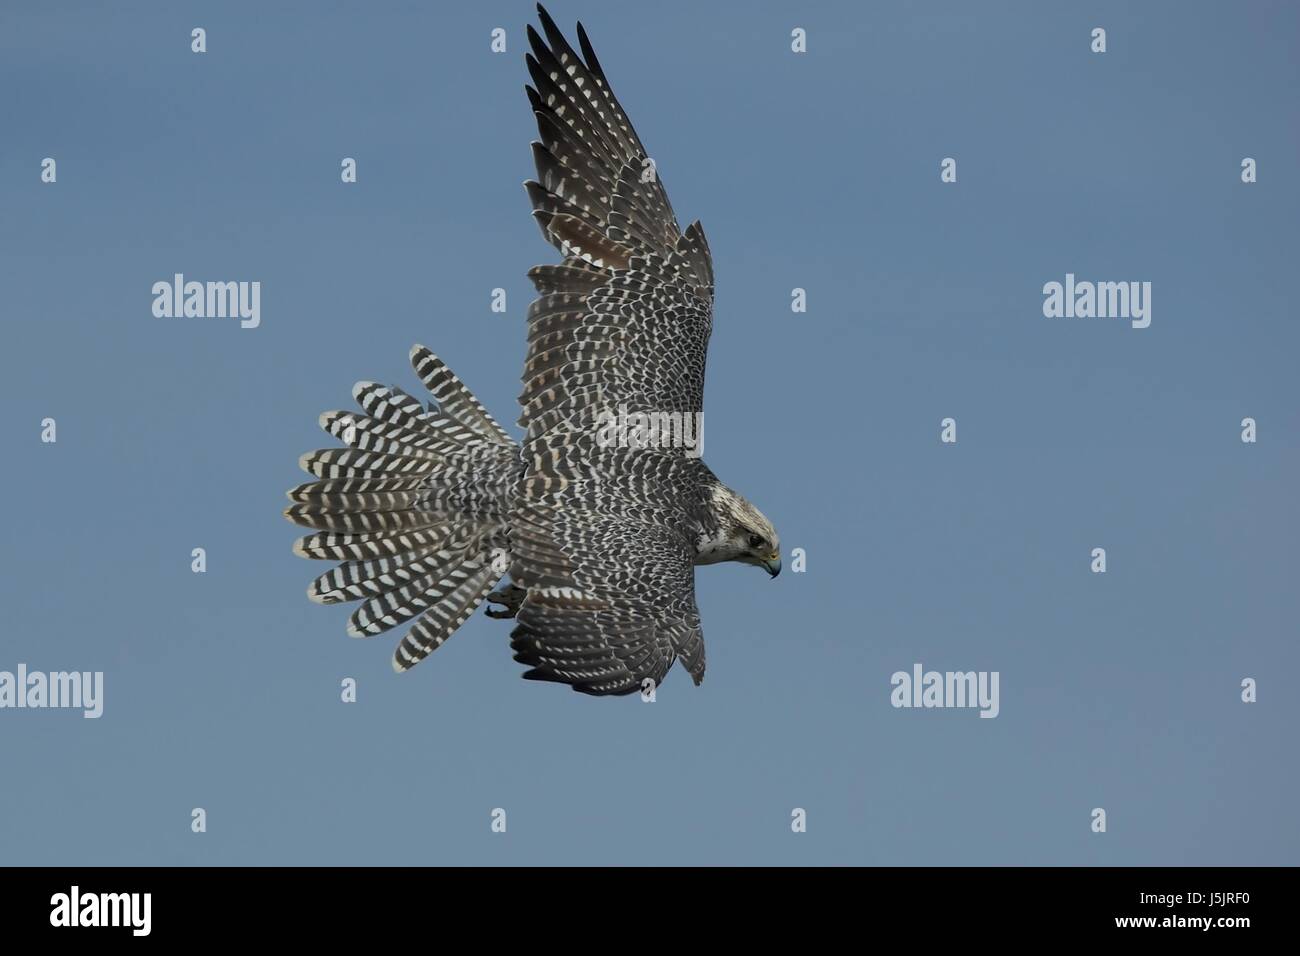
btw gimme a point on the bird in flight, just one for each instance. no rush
(430, 507)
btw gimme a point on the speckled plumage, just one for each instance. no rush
(428, 508)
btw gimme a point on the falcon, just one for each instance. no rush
(429, 507)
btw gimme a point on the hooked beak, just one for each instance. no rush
(773, 565)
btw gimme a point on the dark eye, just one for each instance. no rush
(755, 540)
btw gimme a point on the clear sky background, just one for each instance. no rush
(818, 171)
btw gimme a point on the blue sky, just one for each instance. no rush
(819, 171)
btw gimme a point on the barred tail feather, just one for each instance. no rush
(413, 509)
(454, 398)
(399, 604)
(442, 620)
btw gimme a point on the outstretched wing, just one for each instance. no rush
(611, 581)
(624, 321)
(602, 537)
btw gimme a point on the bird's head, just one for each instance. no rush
(744, 534)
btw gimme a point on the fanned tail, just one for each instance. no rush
(414, 508)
